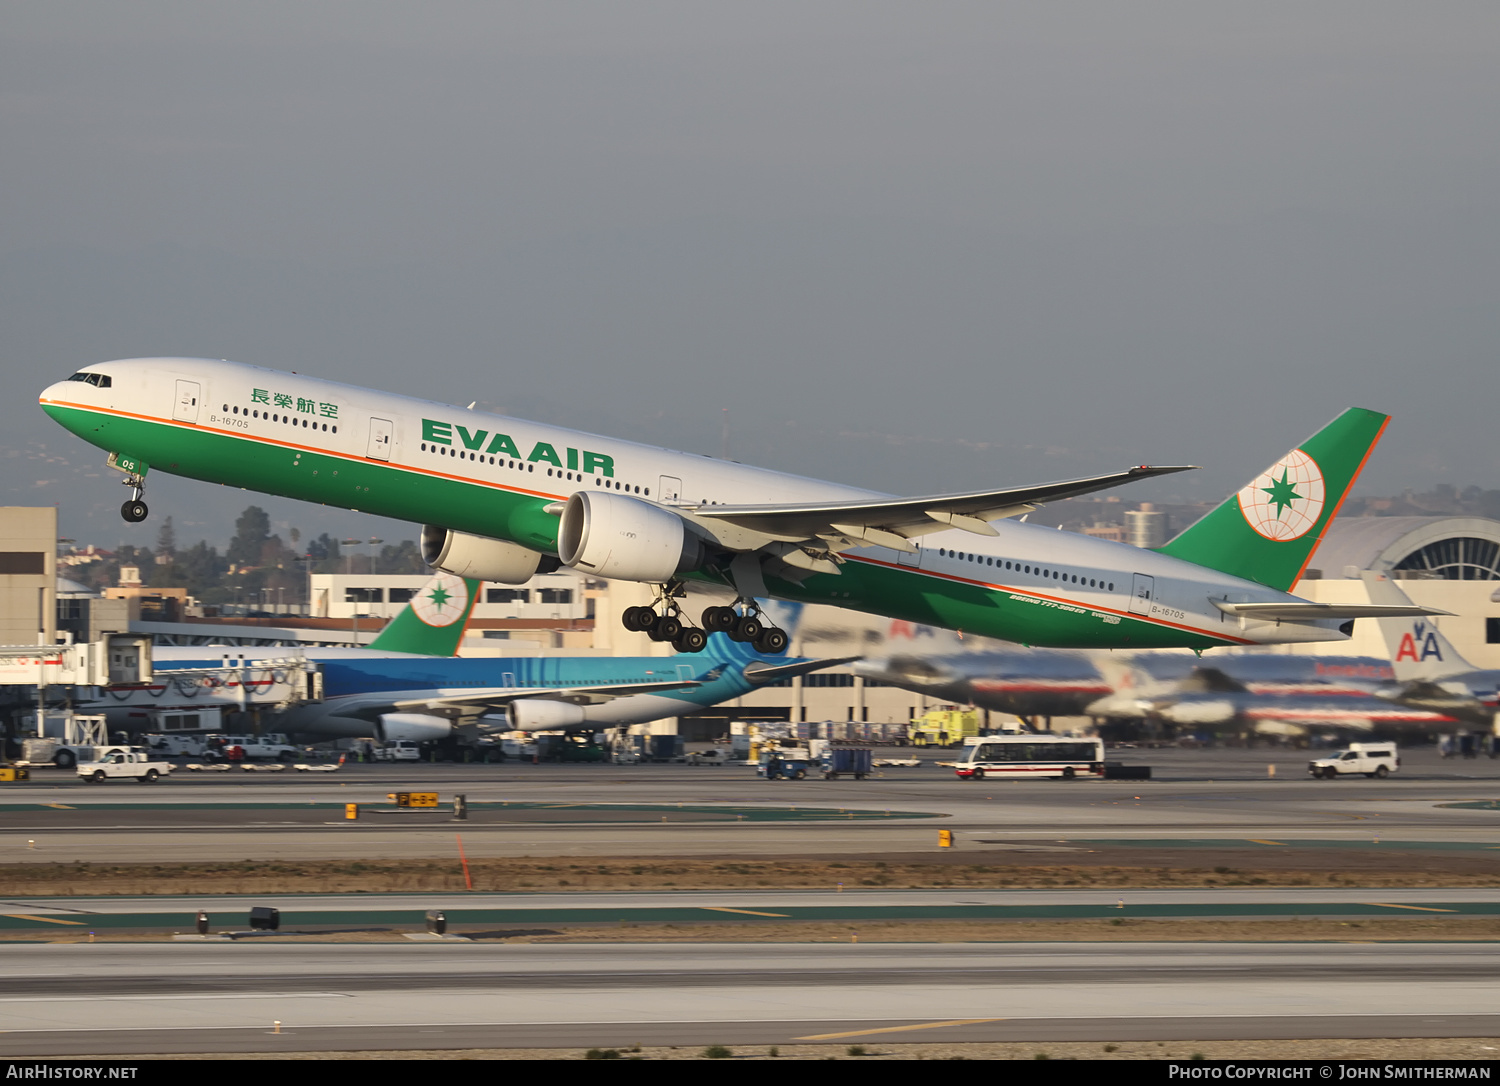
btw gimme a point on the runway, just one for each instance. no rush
(82, 999)
(596, 810)
(162, 996)
(70, 917)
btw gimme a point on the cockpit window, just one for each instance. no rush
(98, 380)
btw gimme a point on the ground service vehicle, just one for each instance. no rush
(402, 750)
(273, 747)
(943, 728)
(1371, 759)
(1031, 756)
(124, 764)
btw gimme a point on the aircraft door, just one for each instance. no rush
(380, 439)
(669, 489)
(185, 407)
(1140, 594)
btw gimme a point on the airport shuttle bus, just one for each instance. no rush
(1026, 756)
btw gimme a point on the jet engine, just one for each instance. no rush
(417, 727)
(612, 535)
(540, 715)
(477, 557)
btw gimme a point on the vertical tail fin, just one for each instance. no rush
(1268, 531)
(1419, 652)
(433, 622)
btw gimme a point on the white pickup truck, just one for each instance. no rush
(273, 748)
(1371, 759)
(135, 764)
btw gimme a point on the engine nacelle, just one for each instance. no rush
(417, 727)
(625, 538)
(477, 557)
(540, 715)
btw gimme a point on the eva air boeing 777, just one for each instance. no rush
(502, 498)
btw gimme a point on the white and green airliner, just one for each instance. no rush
(502, 498)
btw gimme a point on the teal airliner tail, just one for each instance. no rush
(1268, 531)
(433, 623)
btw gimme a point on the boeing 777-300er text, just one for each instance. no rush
(501, 498)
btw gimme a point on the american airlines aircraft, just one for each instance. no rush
(501, 498)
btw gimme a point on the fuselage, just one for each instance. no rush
(489, 475)
(359, 685)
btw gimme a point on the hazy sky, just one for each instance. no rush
(918, 247)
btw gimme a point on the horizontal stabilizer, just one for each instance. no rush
(760, 674)
(1308, 612)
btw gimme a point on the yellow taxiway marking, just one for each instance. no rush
(747, 912)
(899, 1029)
(61, 806)
(44, 919)
(1417, 908)
(1258, 841)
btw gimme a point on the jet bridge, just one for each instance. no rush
(276, 684)
(115, 659)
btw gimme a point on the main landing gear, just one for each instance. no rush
(135, 510)
(748, 628)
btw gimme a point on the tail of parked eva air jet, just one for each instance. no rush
(1269, 530)
(433, 622)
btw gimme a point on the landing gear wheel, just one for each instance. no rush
(134, 511)
(691, 639)
(719, 619)
(666, 628)
(746, 629)
(771, 642)
(638, 619)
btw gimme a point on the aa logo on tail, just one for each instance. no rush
(1286, 500)
(1418, 645)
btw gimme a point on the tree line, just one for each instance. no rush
(258, 566)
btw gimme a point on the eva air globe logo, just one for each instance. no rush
(1286, 500)
(441, 601)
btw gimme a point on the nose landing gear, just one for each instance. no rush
(134, 511)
